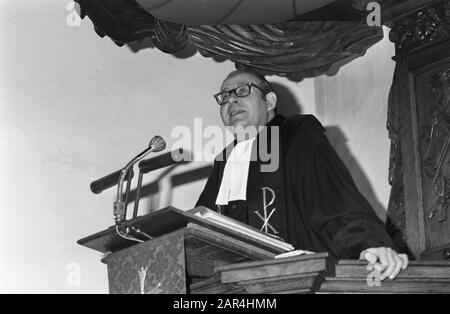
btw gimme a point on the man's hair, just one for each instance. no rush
(263, 83)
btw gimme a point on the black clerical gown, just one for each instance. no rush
(316, 205)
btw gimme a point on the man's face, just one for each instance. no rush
(245, 111)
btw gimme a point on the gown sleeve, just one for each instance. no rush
(336, 214)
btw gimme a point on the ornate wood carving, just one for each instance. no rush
(296, 49)
(418, 124)
(125, 22)
(396, 219)
(424, 26)
(437, 157)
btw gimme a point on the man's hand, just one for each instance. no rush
(385, 260)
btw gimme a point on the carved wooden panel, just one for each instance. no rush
(433, 98)
(419, 128)
(437, 132)
(152, 267)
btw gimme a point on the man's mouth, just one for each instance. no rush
(236, 112)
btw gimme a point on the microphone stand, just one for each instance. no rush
(156, 144)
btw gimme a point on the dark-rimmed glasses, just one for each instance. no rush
(241, 91)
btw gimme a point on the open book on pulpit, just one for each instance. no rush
(228, 224)
(170, 219)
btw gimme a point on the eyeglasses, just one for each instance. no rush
(241, 91)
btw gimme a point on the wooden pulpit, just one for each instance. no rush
(190, 255)
(181, 258)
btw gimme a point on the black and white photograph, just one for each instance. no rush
(239, 149)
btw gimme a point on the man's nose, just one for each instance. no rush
(233, 98)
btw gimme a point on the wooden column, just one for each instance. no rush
(419, 128)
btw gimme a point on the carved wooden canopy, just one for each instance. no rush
(308, 44)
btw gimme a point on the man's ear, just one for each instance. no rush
(271, 99)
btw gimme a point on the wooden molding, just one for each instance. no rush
(420, 277)
(427, 25)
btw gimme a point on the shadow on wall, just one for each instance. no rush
(153, 190)
(287, 104)
(339, 142)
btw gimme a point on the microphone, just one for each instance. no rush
(156, 144)
(161, 161)
(104, 183)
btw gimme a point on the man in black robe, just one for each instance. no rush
(310, 199)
